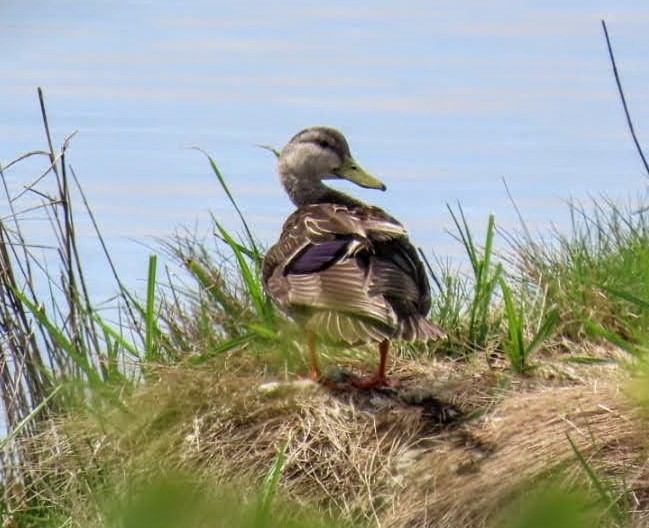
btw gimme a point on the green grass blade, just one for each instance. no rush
(546, 329)
(111, 364)
(515, 346)
(486, 278)
(25, 421)
(224, 347)
(206, 281)
(266, 332)
(464, 233)
(595, 328)
(251, 253)
(603, 490)
(642, 303)
(118, 338)
(226, 189)
(250, 279)
(270, 148)
(150, 325)
(269, 487)
(488, 247)
(60, 339)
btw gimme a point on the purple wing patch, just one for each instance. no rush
(317, 257)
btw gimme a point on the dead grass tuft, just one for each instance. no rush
(450, 447)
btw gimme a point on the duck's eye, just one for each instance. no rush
(324, 144)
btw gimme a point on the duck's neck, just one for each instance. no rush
(304, 191)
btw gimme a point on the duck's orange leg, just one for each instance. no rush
(314, 371)
(379, 379)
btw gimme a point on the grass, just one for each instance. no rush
(190, 404)
(605, 253)
(521, 342)
(481, 323)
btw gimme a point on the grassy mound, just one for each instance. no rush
(456, 444)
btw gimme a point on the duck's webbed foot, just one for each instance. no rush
(377, 380)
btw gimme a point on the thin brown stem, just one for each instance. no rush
(621, 92)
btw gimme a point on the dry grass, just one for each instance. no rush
(450, 447)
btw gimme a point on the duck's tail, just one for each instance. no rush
(418, 328)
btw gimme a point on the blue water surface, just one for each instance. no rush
(440, 100)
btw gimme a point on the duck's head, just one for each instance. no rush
(316, 154)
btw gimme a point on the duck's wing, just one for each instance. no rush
(317, 236)
(399, 276)
(337, 263)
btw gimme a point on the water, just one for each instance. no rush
(441, 101)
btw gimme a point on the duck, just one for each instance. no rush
(344, 270)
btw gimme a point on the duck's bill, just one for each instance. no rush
(352, 171)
